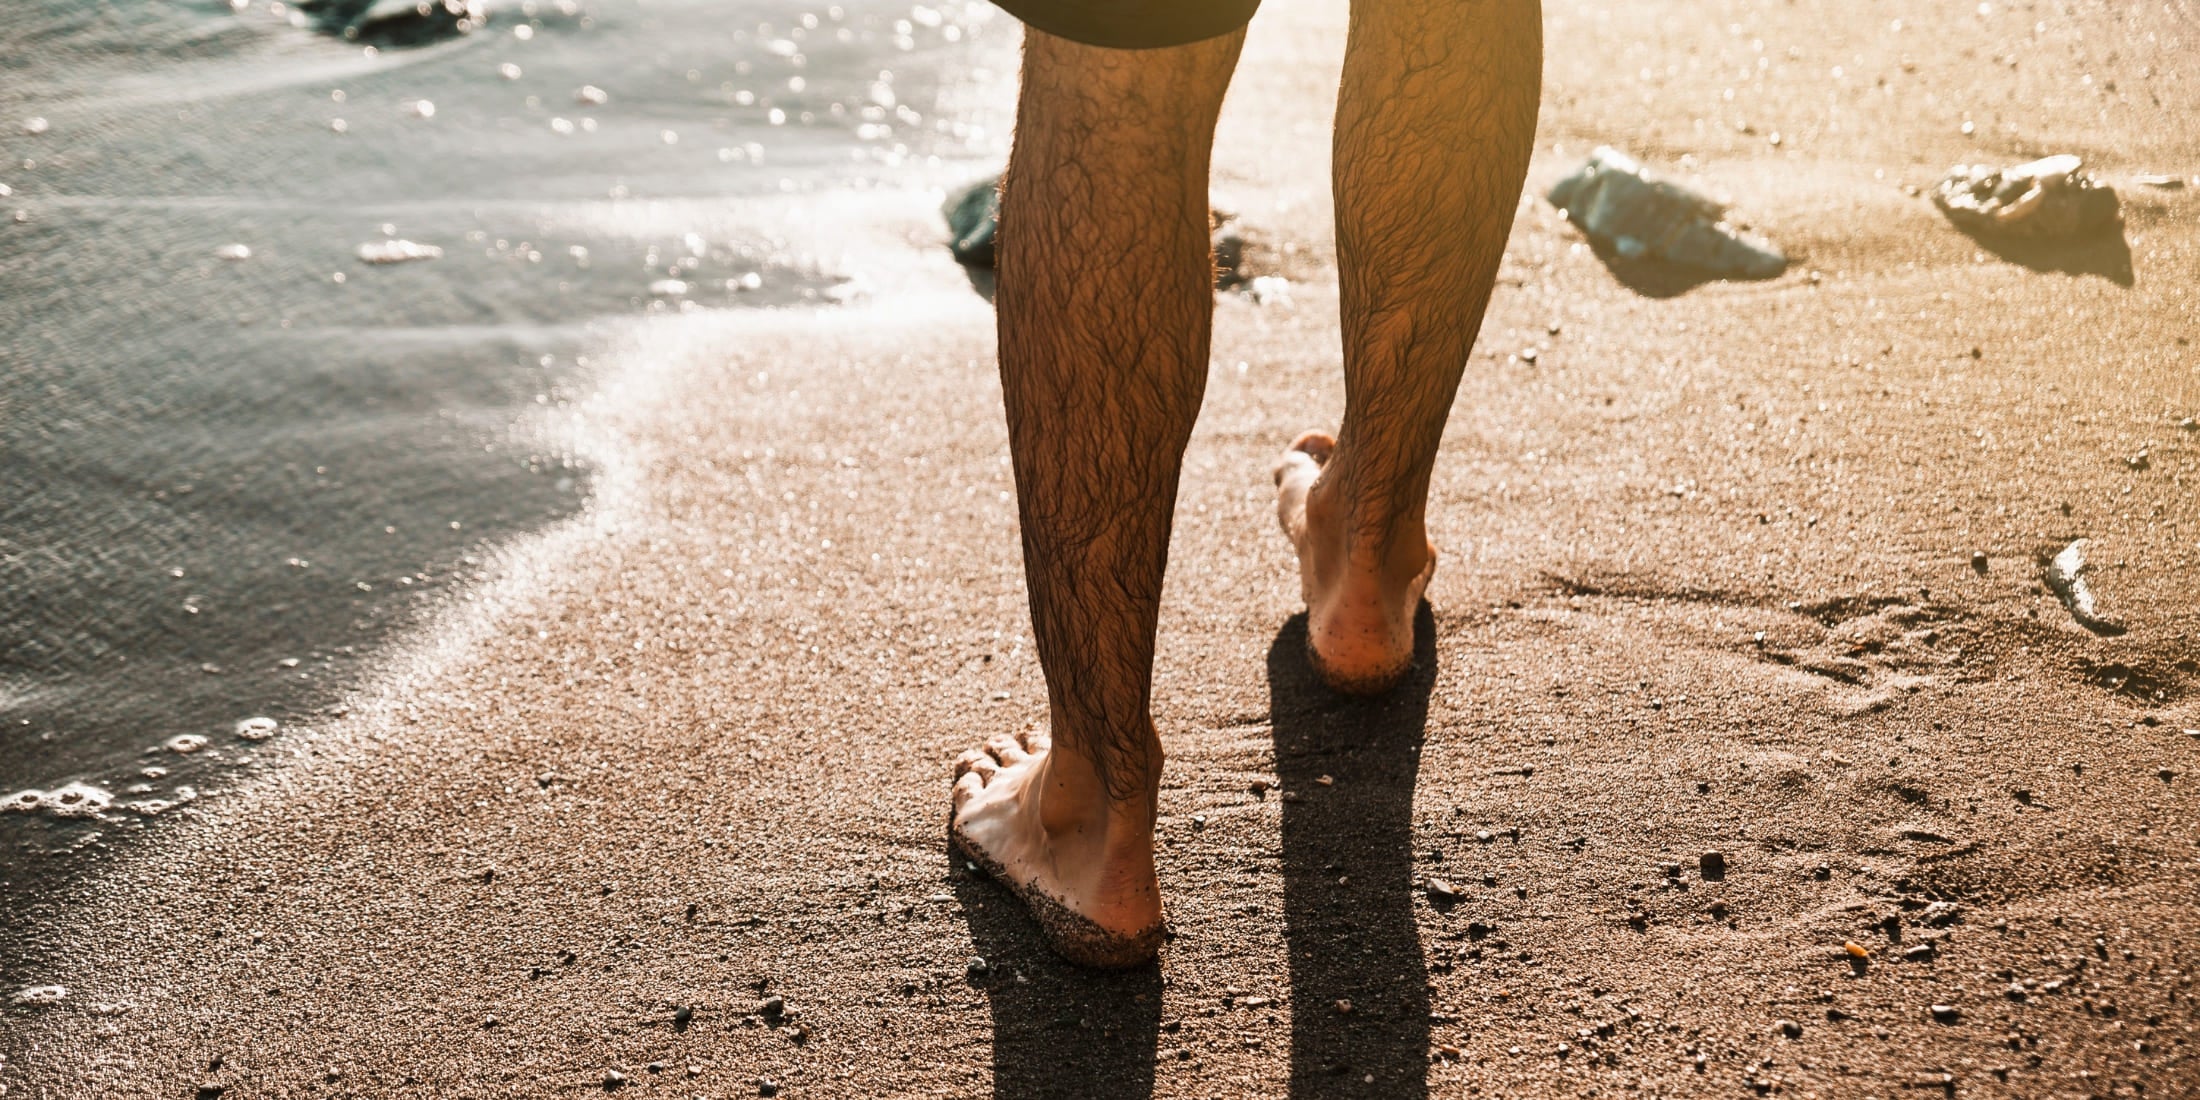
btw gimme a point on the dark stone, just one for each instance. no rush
(1713, 866)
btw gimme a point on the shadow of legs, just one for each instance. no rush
(1062, 1031)
(1352, 940)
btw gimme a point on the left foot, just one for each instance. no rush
(1361, 596)
(1041, 823)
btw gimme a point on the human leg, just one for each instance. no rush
(1105, 296)
(1435, 121)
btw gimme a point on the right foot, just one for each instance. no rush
(1083, 864)
(1360, 599)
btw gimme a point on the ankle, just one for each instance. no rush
(1375, 536)
(1074, 796)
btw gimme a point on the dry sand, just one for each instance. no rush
(1708, 586)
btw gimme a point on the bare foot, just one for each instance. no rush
(1360, 597)
(1082, 863)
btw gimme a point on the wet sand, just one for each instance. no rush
(1708, 587)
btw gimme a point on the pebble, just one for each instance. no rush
(1790, 1028)
(36, 125)
(978, 968)
(1941, 913)
(421, 108)
(613, 1079)
(1978, 562)
(40, 995)
(233, 252)
(508, 71)
(184, 743)
(765, 1086)
(681, 1016)
(591, 96)
(1713, 865)
(1945, 1014)
(1344, 1006)
(257, 729)
(2016, 991)
(1921, 953)
(1856, 950)
(668, 288)
(1442, 890)
(656, 1067)
(490, 1020)
(773, 1006)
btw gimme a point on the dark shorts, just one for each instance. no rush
(1133, 24)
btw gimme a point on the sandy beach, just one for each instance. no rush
(1744, 569)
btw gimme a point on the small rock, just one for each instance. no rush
(1326, 781)
(772, 1006)
(233, 252)
(681, 1017)
(2065, 576)
(613, 1079)
(1856, 950)
(1713, 865)
(2016, 991)
(1921, 953)
(1940, 914)
(1790, 1028)
(1441, 891)
(490, 1020)
(765, 1086)
(1945, 1014)
(1978, 562)
(978, 968)
(655, 1067)
(2049, 197)
(1621, 205)
(36, 125)
(591, 96)
(1344, 1006)
(257, 729)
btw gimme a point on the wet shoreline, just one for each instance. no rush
(247, 452)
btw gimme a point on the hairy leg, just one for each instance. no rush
(1435, 121)
(1105, 299)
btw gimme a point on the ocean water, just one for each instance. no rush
(237, 460)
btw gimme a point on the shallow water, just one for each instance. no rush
(246, 438)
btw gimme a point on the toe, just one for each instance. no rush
(967, 788)
(969, 761)
(1036, 741)
(1005, 749)
(1317, 445)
